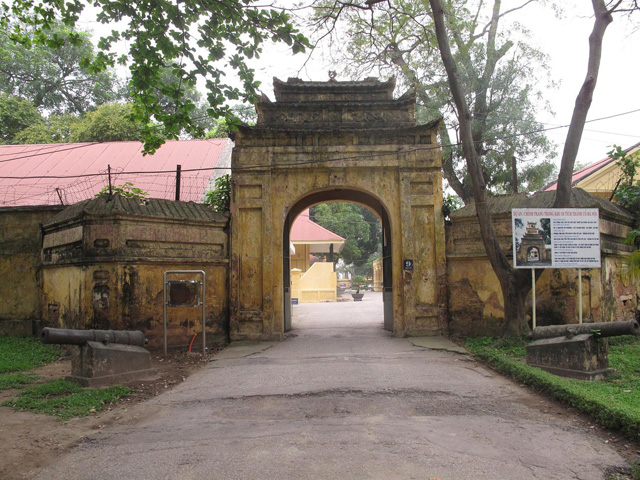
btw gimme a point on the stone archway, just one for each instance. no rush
(350, 196)
(347, 141)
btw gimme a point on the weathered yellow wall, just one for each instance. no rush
(407, 184)
(118, 281)
(318, 284)
(476, 305)
(130, 297)
(377, 275)
(20, 243)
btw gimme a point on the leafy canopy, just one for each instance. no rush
(500, 71)
(16, 114)
(54, 79)
(192, 37)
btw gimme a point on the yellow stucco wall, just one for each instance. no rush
(408, 186)
(318, 284)
(108, 273)
(300, 259)
(476, 305)
(20, 243)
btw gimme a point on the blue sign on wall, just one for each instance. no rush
(407, 264)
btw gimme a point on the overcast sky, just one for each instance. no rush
(564, 39)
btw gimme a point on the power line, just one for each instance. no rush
(368, 156)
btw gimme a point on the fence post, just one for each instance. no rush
(178, 169)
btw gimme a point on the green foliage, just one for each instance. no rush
(112, 122)
(500, 71)
(358, 283)
(66, 399)
(15, 380)
(53, 129)
(51, 77)
(614, 402)
(15, 115)
(220, 197)
(358, 225)
(191, 37)
(18, 354)
(125, 190)
(450, 203)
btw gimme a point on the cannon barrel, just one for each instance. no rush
(64, 336)
(602, 329)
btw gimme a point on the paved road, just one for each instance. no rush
(343, 399)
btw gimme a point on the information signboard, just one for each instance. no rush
(556, 237)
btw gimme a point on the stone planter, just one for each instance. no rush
(357, 297)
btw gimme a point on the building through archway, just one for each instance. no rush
(346, 141)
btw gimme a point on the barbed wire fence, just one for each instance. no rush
(188, 186)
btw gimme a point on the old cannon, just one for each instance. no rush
(577, 351)
(103, 357)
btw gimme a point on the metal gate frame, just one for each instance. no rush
(204, 304)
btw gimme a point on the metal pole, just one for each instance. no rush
(533, 297)
(109, 175)
(178, 171)
(204, 318)
(164, 311)
(204, 305)
(580, 296)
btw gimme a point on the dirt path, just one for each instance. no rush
(31, 442)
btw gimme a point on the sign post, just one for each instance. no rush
(555, 238)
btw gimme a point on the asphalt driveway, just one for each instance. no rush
(341, 398)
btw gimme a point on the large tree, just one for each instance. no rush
(198, 39)
(16, 114)
(54, 79)
(514, 283)
(500, 73)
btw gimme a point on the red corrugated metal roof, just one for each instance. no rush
(584, 172)
(306, 230)
(87, 164)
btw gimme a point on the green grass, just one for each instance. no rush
(18, 354)
(614, 402)
(15, 380)
(66, 399)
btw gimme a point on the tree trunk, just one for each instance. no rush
(511, 280)
(514, 283)
(583, 102)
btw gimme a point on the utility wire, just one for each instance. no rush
(369, 156)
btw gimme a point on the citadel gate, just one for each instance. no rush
(347, 141)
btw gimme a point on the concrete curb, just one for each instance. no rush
(437, 343)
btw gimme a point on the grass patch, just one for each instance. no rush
(614, 402)
(17, 354)
(66, 399)
(15, 380)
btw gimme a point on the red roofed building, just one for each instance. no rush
(312, 280)
(599, 178)
(308, 238)
(68, 173)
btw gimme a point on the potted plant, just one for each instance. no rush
(358, 282)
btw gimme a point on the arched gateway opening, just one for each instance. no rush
(344, 195)
(349, 141)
